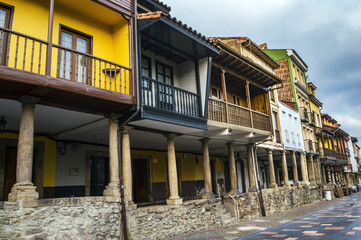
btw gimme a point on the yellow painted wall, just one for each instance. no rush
(110, 41)
(190, 169)
(49, 157)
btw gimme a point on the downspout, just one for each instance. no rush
(256, 173)
(133, 49)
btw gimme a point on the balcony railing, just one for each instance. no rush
(30, 54)
(304, 114)
(334, 154)
(221, 111)
(309, 146)
(167, 97)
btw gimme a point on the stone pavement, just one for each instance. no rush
(341, 221)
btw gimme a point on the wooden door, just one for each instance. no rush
(141, 180)
(99, 177)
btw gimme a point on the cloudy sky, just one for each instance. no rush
(326, 34)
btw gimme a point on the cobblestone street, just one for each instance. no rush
(336, 219)
(341, 221)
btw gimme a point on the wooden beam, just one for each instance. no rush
(237, 75)
(224, 88)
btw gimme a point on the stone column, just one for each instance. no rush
(127, 165)
(317, 170)
(207, 170)
(251, 173)
(232, 170)
(271, 168)
(311, 171)
(285, 169)
(303, 169)
(113, 188)
(24, 189)
(333, 177)
(174, 198)
(294, 168)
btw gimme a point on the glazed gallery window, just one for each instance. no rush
(72, 64)
(164, 74)
(5, 20)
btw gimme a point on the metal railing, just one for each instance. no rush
(167, 97)
(22, 52)
(221, 111)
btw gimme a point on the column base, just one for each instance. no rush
(234, 192)
(174, 201)
(252, 189)
(23, 191)
(305, 183)
(112, 190)
(286, 185)
(296, 184)
(272, 185)
(208, 195)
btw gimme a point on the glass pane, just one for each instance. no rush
(2, 18)
(66, 40)
(160, 69)
(101, 171)
(167, 71)
(81, 46)
(160, 77)
(168, 80)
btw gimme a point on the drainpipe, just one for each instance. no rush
(135, 81)
(256, 173)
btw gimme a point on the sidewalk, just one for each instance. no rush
(246, 227)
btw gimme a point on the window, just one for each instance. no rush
(5, 22)
(164, 73)
(287, 136)
(275, 126)
(73, 64)
(146, 67)
(216, 93)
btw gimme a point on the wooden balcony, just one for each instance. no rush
(165, 97)
(33, 66)
(334, 154)
(221, 111)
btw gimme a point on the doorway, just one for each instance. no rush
(99, 176)
(10, 170)
(141, 180)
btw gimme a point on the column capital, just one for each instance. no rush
(283, 151)
(26, 99)
(230, 144)
(269, 150)
(126, 129)
(170, 136)
(204, 140)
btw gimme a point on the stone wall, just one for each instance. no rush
(157, 222)
(280, 199)
(65, 218)
(274, 199)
